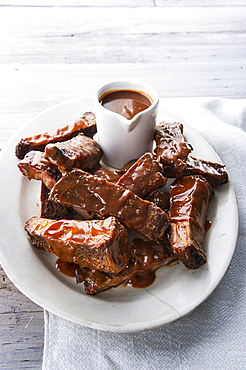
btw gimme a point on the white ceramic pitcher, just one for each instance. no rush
(121, 139)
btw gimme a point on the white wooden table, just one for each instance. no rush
(54, 50)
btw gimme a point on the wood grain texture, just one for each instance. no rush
(21, 329)
(79, 3)
(200, 3)
(56, 50)
(63, 35)
(123, 3)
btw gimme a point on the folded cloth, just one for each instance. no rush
(212, 336)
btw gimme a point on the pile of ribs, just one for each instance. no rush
(87, 211)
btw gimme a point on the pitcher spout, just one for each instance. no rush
(130, 125)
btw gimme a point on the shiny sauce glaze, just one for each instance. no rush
(127, 103)
(142, 280)
(215, 173)
(97, 195)
(36, 166)
(144, 176)
(101, 244)
(208, 224)
(189, 200)
(66, 268)
(86, 122)
(145, 257)
(78, 152)
(171, 147)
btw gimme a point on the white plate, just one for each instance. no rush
(176, 291)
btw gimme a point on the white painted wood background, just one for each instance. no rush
(51, 51)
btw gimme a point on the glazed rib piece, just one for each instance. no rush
(215, 173)
(85, 124)
(171, 148)
(189, 200)
(36, 166)
(79, 152)
(143, 176)
(145, 257)
(95, 244)
(49, 208)
(97, 195)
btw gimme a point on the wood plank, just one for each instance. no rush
(27, 346)
(21, 329)
(200, 3)
(125, 3)
(79, 3)
(73, 35)
(12, 300)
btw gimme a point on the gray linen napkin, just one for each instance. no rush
(214, 335)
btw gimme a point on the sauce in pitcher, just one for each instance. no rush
(127, 103)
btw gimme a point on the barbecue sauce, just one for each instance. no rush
(101, 244)
(66, 268)
(171, 148)
(79, 188)
(189, 200)
(142, 280)
(208, 224)
(127, 103)
(143, 176)
(145, 256)
(85, 124)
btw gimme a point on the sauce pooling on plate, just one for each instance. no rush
(66, 268)
(127, 103)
